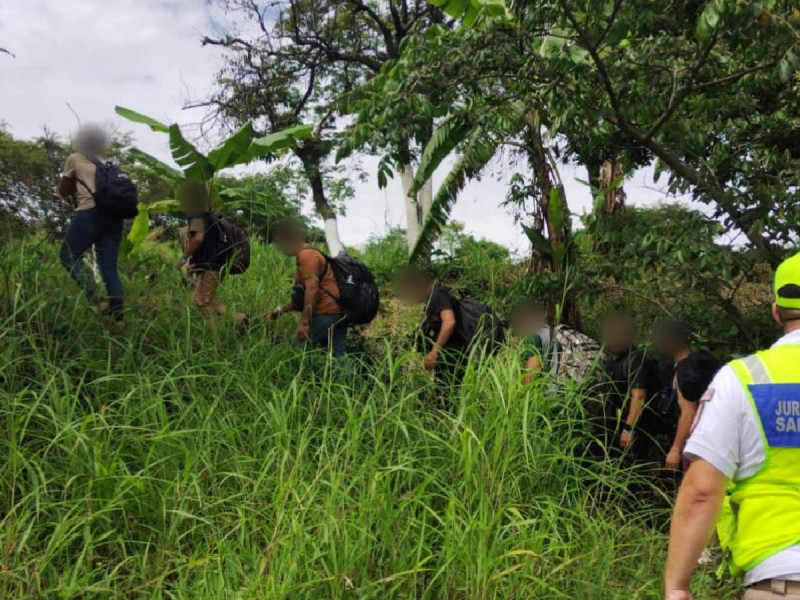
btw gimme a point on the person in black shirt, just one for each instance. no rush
(631, 381)
(444, 348)
(692, 373)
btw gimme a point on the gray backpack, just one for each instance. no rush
(573, 356)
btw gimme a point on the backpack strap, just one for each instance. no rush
(98, 164)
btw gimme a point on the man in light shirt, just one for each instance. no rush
(747, 433)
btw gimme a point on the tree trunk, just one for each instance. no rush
(614, 197)
(413, 212)
(426, 200)
(545, 174)
(312, 166)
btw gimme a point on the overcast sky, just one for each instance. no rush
(146, 55)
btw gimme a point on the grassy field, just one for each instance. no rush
(179, 462)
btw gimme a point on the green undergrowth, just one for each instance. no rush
(178, 461)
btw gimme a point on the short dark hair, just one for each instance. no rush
(788, 314)
(411, 275)
(672, 331)
(289, 228)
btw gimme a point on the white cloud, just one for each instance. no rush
(146, 55)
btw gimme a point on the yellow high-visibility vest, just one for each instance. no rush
(766, 505)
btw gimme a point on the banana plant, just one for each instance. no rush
(243, 147)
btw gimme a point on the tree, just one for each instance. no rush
(29, 173)
(279, 73)
(240, 148)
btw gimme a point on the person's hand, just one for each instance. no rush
(430, 360)
(303, 331)
(673, 459)
(678, 595)
(626, 439)
(273, 315)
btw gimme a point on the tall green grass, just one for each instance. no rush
(178, 461)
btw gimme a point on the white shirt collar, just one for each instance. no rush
(792, 338)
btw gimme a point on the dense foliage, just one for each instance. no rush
(182, 462)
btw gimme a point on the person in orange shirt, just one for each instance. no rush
(322, 323)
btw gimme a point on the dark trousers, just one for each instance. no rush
(330, 331)
(89, 228)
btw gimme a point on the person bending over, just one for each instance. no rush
(445, 350)
(321, 320)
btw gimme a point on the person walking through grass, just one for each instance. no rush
(746, 440)
(691, 375)
(322, 322)
(444, 345)
(196, 205)
(631, 380)
(90, 227)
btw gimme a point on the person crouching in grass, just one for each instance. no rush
(529, 326)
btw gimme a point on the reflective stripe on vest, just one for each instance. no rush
(767, 504)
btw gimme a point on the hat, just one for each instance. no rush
(787, 283)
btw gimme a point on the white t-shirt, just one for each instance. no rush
(727, 435)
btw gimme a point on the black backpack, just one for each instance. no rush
(225, 247)
(478, 325)
(359, 298)
(115, 193)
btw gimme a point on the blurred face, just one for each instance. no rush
(527, 321)
(618, 334)
(288, 244)
(413, 291)
(662, 344)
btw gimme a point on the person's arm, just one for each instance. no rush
(448, 317)
(638, 398)
(195, 241)
(532, 366)
(67, 186)
(282, 309)
(311, 286)
(688, 412)
(696, 512)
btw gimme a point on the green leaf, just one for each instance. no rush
(194, 164)
(707, 22)
(155, 165)
(136, 117)
(557, 209)
(479, 151)
(579, 55)
(471, 12)
(170, 205)
(538, 241)
(447, 136)
(234, 148)
(139, 229)
(275, 142)
(785, 69)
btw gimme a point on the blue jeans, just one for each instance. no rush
(89, 228)
(330, 331)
